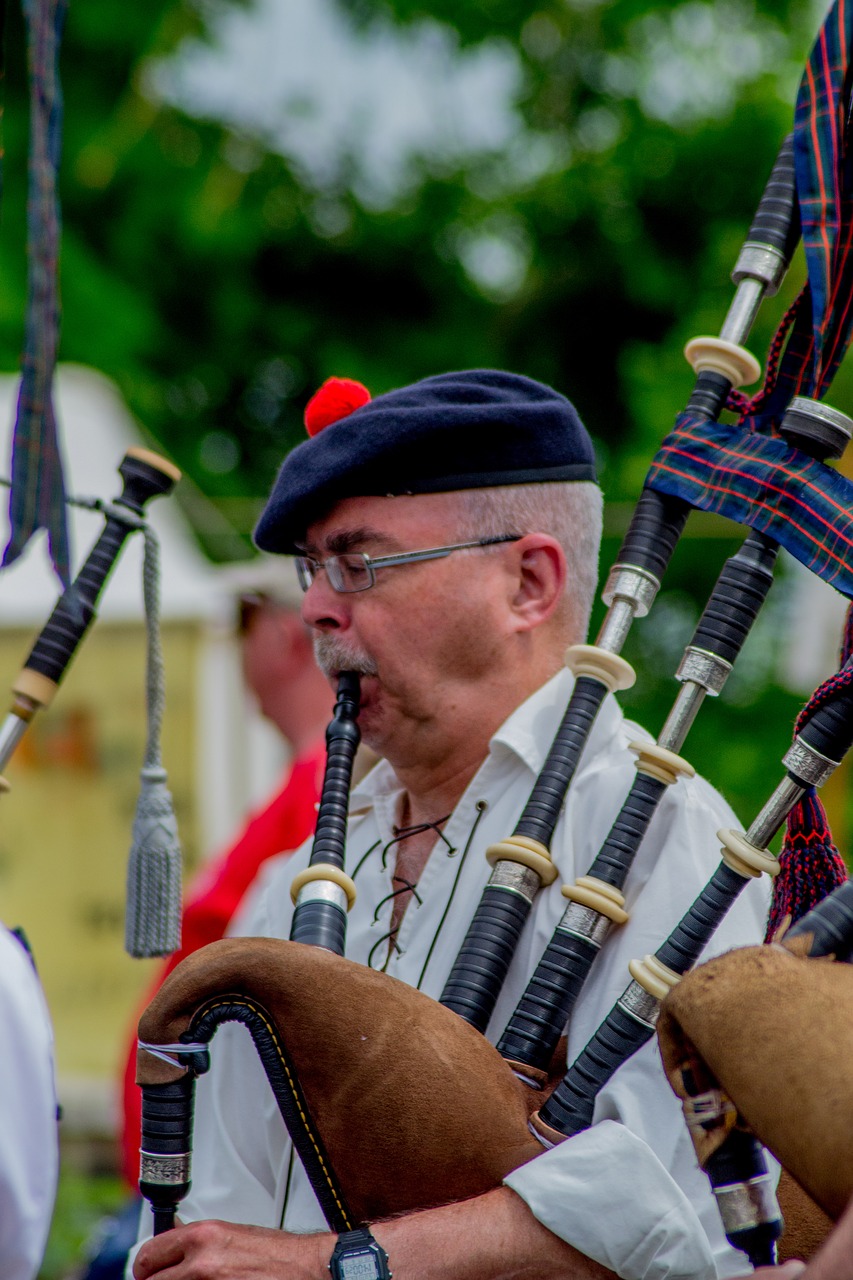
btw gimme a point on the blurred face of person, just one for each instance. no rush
(265, 628)
(429, 639)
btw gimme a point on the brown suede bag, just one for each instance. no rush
(413, 1106)
(773, 1031)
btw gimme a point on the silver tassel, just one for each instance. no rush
(153, 917)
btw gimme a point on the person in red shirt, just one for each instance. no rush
(291, 692)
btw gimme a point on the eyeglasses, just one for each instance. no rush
(356, 571)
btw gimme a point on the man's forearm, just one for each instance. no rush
(492, 1237)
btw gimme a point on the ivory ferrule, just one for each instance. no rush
(589, 891)
(655, 978)
(600, 664)
(744, 857)
(155, 460)
(657, 762)
(323, 873)
(635, 586)
(716, 355)
(527, 852)
(35, 687)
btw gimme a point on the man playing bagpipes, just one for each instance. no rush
(448, 534)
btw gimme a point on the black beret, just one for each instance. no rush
(470, 430)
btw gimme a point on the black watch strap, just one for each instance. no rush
(358, 1255)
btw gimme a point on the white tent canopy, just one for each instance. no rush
(240, 756)
(95, 432)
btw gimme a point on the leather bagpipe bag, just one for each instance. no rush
(415, 1107)
(775, 1030)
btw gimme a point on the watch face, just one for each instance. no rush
(359, 1266)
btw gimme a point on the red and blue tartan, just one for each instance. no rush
(763, 482)
(745, 471)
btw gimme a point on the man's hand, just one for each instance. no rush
(833, 1260)
(216, 1250)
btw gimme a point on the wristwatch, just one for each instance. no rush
(358, 1256)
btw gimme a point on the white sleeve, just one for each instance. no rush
(606, 1193)
(29, 1150)
(609, 1190)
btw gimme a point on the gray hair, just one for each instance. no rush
(570, 511)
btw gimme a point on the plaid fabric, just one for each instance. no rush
(37, 497)
(817, 329)
(745, 471)
(761, 481)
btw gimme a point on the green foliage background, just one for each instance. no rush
(206, 276)
(218, 285)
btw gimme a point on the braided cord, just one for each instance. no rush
(155, 681)
(810, 866)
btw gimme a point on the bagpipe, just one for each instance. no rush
(370, 1154)
(145, 475)
(154, 872)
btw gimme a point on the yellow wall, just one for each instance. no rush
(65, 828)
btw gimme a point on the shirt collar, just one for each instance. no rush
(529, 731)
(527, 734)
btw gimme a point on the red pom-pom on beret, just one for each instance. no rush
(336, 399)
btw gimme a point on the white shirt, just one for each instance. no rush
(29, 1148)
(628, 1192)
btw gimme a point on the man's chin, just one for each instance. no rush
(370, 721)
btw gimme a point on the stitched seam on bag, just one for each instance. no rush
(260, 1013)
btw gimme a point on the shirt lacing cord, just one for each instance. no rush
(404, 886)
(403, 833)
(411, 886)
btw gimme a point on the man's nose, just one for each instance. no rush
(323, 608)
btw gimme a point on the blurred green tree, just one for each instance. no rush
(219, 280)
(218, 284)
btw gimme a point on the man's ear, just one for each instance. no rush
(540, 579)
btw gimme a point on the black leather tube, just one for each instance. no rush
(318, 921)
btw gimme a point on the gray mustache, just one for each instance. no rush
(333, 656)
